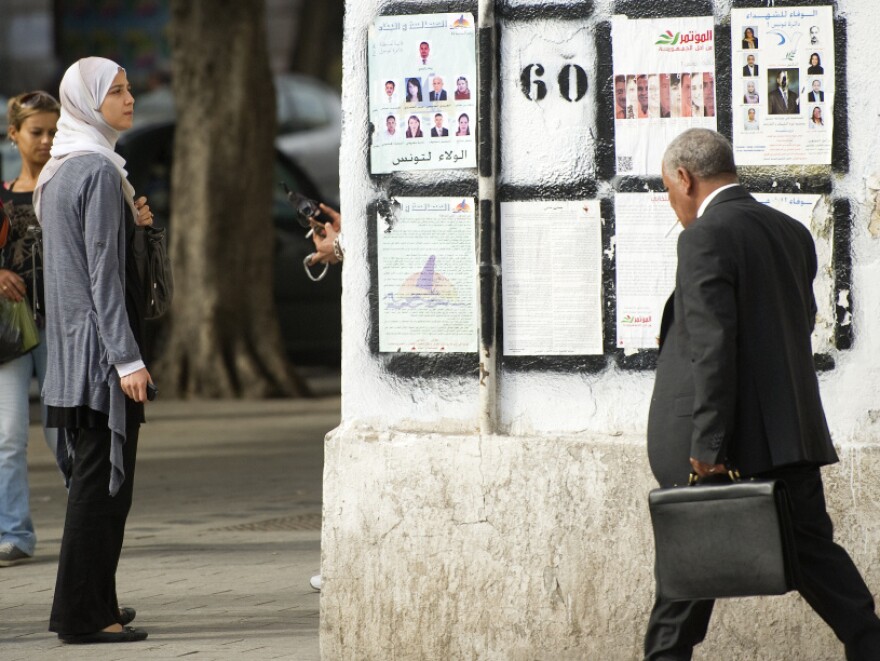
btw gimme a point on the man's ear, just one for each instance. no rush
(685, 180)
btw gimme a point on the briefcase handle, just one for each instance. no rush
(732, 473)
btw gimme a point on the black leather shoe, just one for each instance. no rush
(127, 635)
(126, 615)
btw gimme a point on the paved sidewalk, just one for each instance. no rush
(221, 541)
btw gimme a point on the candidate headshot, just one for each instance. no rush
(708, 94)
(814, 35)
(653, 96)
(391, 132)
(424, 52)
(816, 94)
(675, 95)
(751, 66)
(751, 120)
(749, 39)
(389, 92)
(816, 120)
(464, 125)
(685, 95)
(413, 90)
(815, 68)
(665, 110)
(462, 91)
(414, 127)
(437, 92)
(751, 96)
(696, 95)
(632, 97)
(620, 97)
(438, 130)
(642, 95)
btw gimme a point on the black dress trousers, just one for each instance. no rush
(85, 589)
(828, 581)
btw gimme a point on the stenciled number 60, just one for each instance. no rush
(572, 81)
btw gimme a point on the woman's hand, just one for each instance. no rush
(13, 288)
(324, 253)
(144, 215)
(134, 385)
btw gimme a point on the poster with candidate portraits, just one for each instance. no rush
(783, 85)
(664, 84)
(423, 99)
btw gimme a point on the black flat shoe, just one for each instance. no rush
(127, 635)
(126, 615)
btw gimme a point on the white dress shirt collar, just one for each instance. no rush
(711, 196)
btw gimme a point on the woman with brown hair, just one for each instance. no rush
(32, 120)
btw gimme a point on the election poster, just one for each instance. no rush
(552, 290)
(664, 84)
(646, 238)
(423, 100)
(782, 85)
(427, 275)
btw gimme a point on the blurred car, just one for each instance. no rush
(309, 312)
(309, 125)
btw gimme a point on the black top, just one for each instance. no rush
(22, 253)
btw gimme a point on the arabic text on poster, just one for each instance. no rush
(427, 276)
(423, 100)
(646, 239)
(783, 85)
(664, 84)
(552, 293)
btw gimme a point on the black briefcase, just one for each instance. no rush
(732, 539)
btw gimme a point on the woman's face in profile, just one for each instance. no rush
(117, 108)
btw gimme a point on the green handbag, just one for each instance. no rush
(18, 330)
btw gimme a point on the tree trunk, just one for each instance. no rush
(224, 336)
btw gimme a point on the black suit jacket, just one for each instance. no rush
(783, 106)
(435, 96)
(735, 376)
(442, 133)
(746, 71)
(816, 97)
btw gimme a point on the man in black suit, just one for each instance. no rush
(816, 95)
(750, 69)
(782, 100)
(736, 385)
(438, 131)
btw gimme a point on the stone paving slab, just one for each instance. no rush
(223, 536)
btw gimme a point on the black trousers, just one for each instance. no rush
(829, 582)
(85, 589)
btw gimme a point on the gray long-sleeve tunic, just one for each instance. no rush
(82, 211)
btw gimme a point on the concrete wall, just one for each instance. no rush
(534, 542)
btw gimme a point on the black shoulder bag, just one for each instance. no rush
(158, 279)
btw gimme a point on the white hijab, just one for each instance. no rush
(82, 128)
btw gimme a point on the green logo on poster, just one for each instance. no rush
(668, 39)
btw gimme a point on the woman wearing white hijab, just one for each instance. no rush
(96, 381)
